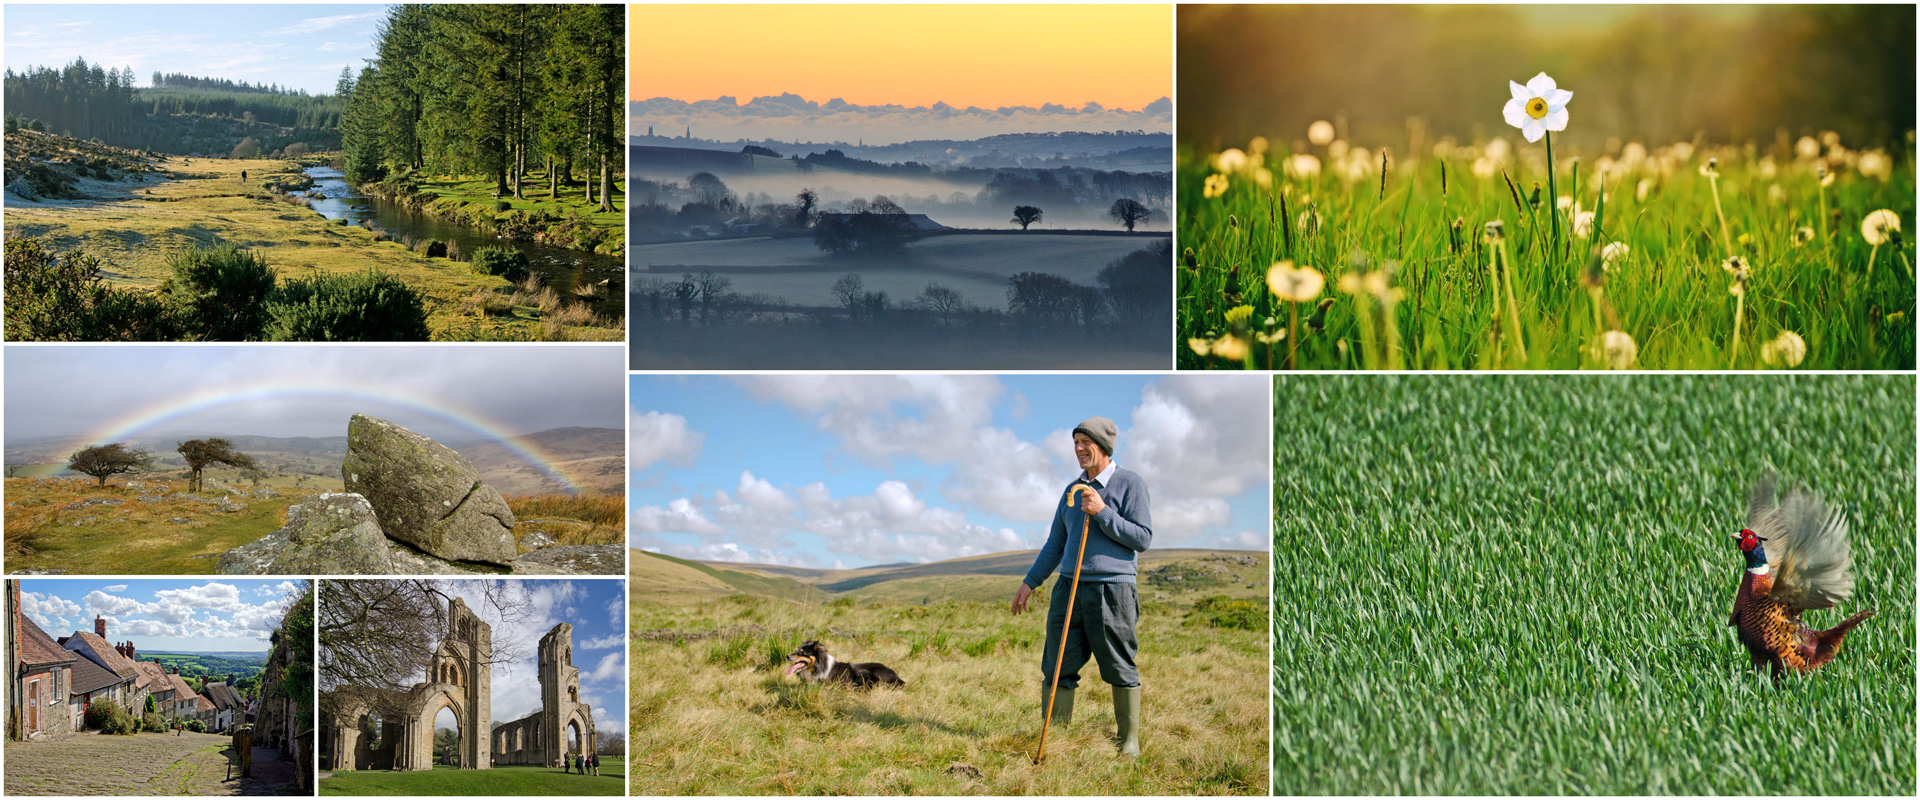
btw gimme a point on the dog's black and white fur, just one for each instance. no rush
(813, 663)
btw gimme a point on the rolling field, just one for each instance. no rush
(1506, 585)
(977, 265)
(726, 720)
(1407, 266)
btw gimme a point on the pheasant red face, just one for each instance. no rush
(1748, 540)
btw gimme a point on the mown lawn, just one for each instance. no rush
(1520, 585)
(445, 780)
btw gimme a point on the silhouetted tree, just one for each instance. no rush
(942, 300)
(106, 460)
(1128, 212)
(1042, 299)
(1026, 215)
(709, 189)
(201, 453)
(1139, 284)
(807, 199)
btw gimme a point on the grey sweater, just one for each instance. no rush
(1119, 533)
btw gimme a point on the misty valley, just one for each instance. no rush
(1020, 251)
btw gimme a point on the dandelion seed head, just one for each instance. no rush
(1768, 169)
(1258, 145)
(1563, 202)
(1320, 132)
(1806, 147)
(1787, 348)
(1614, 253)
(1640, 190)
(1618, 350)
(1337, 150)
(1303, 166)
(1879, 226)
(1583, 224)
(1498, 149)
(1264, 177)
(1802, 235)
(1876, 164)
(1495, 230)
(1830, 138)
(1232, 159)
(1293, 285)
(1776, 194)
(1483, 168)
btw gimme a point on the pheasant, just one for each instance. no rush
(1797, 560)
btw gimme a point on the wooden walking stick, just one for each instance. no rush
(1060, 655)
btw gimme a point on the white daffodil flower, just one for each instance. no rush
(1537, 107)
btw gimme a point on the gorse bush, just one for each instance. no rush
(55, 298)
(1220, 611)
(505, 262)
(362, 307)
(221, 293)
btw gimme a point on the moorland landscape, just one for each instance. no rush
(459, 178)
(895, 229)
(729, 721)
(312, 468)
(1677, 187)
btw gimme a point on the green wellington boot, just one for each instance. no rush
(1126, 711)
(1062, 705)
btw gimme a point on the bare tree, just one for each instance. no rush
(202, 453)
(942, 300)
(1128, 211)
(848, 291)
(1026, 215)
(379, 636)
(106, 460)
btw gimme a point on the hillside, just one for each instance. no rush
(1179, 576)
(594, 455)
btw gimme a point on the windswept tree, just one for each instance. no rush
(806, 199)
(1026, 215)
(202, 453)
(1129, 212)
(103, 461)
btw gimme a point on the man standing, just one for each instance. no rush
(1108, 605)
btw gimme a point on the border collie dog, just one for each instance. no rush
(813, 663)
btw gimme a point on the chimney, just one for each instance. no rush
(132, 655)
(100, 626)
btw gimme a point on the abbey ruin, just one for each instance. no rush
(459, 677)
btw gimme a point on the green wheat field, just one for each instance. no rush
(1520, 585)
(1409, 280)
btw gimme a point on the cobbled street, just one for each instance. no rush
(141, 764)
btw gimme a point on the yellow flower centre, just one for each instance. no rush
(1537, 107)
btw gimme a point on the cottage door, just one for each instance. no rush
(33, 705)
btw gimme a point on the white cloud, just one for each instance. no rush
(879, 417)
(655, 437)
(1200, 435)
(609, 667)
(604, 642)
(679, 516)
(316, 24)
(118, 587)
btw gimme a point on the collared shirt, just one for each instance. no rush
(1105, 474)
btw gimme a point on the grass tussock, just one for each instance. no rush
(1526, 592)
(732, 723)
(600, 509)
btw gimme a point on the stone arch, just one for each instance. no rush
(420, 742)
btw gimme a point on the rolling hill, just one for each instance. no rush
(1176, 575)
(595, 456)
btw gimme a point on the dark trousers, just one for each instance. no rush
(1104, 616)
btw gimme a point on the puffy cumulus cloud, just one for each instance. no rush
(604, 642)
(101, 603)
(678, 516)
(762, 496)
(610, 667)
(1248, 540)
(57, 616)
(879, 417)
(213, 596)
(792, 117)
(543, 604)
(1181, 520)
(1010, 477)
(655, 437)
(1200, 436)
(893, 523)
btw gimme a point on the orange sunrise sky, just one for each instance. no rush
(1120, 56)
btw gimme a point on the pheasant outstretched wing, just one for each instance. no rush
(1807, 547)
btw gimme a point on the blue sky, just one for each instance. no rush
(597, 611)
(855, 470)
(161, 616)
(300, 46)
